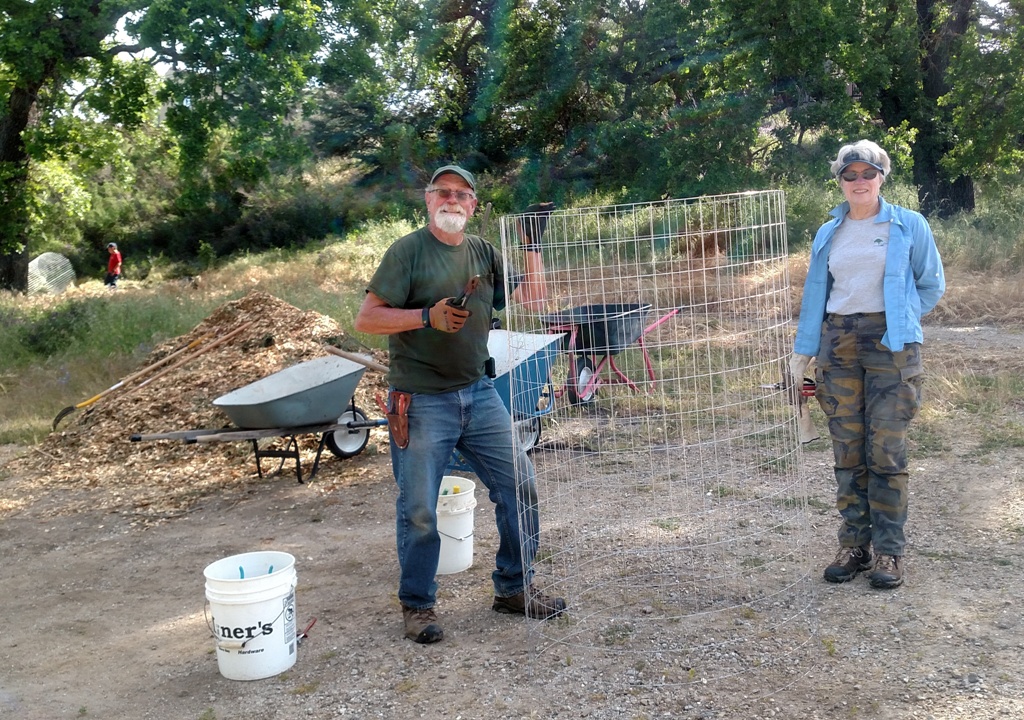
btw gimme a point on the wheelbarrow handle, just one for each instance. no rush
(672, 313)
(356, 357)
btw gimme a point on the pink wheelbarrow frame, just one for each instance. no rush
(595, 334)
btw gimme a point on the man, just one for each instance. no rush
(113, 266)
(442, 399)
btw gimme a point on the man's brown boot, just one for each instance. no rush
(421, 625)
(539, 607)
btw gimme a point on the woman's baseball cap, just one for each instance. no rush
(853, 157)
(863, 151)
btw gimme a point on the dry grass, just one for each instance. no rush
(971, 298)
(981, 298)
(331, 280)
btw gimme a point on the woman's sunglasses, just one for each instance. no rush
(851, 175)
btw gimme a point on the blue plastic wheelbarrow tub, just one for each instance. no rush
(602, 329)
(522, 359)
(315, 392)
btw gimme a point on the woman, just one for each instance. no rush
(874, 272)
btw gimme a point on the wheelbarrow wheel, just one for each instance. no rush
(528, 432)
(346, 443)
(577, 390)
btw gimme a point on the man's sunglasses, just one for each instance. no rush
(446, 194)
(851, 175)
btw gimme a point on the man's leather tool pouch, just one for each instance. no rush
(397, 413)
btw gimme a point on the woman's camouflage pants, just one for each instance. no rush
(870, 394)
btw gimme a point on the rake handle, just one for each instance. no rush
(215, 344)
(131, 378)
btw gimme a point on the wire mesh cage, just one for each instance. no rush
(673, 515)
(51, 273)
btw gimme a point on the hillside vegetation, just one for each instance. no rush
(59, 351)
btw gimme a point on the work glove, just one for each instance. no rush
(535, 224)
(797, 369)
(448, 318)
(798, 366)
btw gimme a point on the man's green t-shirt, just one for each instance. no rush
(416, 272)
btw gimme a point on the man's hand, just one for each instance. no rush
(448, 318)
(534, 225)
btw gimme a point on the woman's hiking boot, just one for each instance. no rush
(888, 572)
(848, 562)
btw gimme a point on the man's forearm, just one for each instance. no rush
(532, 292)
(376, 317)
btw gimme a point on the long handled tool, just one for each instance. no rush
(356, 357)
(485, 225)
(131, 378)
(215, 344)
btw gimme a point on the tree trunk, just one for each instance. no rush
(79, 36)
(939, 195)
(14, 271)
(13, 187)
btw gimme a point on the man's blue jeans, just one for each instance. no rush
(475, 421)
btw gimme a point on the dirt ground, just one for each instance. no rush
(105, 614)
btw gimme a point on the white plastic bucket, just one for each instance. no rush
(252, 601)
(455, 524)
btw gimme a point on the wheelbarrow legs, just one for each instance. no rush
(290, 452)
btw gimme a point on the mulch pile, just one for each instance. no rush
(91, 450)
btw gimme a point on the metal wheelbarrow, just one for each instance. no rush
(595, 334)
(312, 397)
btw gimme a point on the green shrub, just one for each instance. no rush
(56, 330)
(97, 326)
(989, 239)
(807, 206)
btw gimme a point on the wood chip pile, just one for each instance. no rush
(91, 448)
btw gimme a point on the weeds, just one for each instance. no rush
(667, 524)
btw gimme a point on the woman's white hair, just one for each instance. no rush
(863, 151)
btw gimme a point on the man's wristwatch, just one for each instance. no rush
(426, 317)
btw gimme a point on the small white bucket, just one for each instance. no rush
(252, 600)
(455, 524)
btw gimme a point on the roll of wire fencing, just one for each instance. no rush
(50, 273)
(673, 516)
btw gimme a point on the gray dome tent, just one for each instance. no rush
(50, 272)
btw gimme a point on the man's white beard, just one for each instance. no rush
(449, 222)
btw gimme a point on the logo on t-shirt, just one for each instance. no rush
(879, 242)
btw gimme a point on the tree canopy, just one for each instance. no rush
(187, 106)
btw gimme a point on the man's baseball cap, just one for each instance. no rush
(853, 157)
(111, 245)
(454, 170)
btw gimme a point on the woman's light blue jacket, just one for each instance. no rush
(914, 279)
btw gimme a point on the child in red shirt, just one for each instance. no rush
(113, 266)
